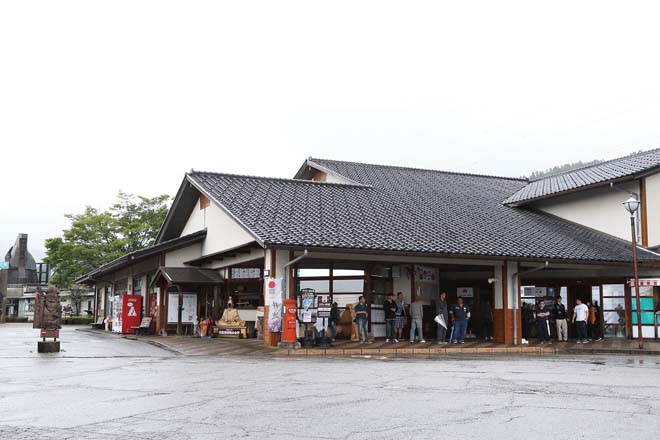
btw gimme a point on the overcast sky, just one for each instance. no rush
(101, 96)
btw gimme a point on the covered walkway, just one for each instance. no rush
(188, 346)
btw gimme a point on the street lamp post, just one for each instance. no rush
(631, 205)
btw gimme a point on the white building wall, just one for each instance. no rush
(196, 220)
(653, 208)
(222, 231)
(177, 257)
(598, 208)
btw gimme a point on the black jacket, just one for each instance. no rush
(390, 309)
(560, 311)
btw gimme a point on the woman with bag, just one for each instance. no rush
(441, 318)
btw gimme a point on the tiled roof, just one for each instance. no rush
(601, 173)
(405, 210)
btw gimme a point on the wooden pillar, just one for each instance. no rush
(506, 303)
(644, 229)
(161, 312)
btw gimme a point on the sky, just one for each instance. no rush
(97, 97)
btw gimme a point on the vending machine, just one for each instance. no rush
(126, 313)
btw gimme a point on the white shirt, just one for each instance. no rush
(581, 312)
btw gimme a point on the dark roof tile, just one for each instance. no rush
(405, 210)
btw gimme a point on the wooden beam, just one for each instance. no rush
(273, 265)
(644, 217)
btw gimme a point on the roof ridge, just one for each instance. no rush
(281, 179)
(605, 162)
(455, 173)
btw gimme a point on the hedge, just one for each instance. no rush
(17, 319)
(77, 320)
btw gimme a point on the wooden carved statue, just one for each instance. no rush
(350, 308)
(48, 312)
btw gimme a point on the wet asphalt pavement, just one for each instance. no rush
(104, 387)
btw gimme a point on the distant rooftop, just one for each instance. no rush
(614, 170)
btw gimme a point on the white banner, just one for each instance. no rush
(274, 303)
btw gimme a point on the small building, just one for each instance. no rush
(348, 229)
(24, 276)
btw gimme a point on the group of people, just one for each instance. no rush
(586, 318)
(397, 313)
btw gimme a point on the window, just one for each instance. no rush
(309, 273)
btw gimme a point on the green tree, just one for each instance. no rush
(138, 219)
(98, 237)
(76, 297)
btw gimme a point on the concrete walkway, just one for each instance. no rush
(186, 345)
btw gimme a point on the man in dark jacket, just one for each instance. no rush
(561, 320)
(460, 313)
(441, 309)
(389, 307)
(542, 315)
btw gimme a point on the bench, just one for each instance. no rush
(143, 328)
(99, 323)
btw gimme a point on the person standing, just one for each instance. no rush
(333, 320)
(416, 315)
(486, 320)
(593, 332)
(441, 309)
(389, 307)
(596, 325)
(561, 320)
(580, 316)
(401, 317)
(460, 313)
(361, 318)
(542, 316)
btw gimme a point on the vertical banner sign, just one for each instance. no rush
(274, 303)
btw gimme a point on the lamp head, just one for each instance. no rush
(631, 205)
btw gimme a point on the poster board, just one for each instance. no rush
(465, 292)
(189, 313)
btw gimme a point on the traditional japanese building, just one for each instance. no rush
(347, 229)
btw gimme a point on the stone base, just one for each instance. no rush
(48, 346)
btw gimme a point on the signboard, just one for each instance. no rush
(324, 307)
(274, 303)
(465, 292)
(307, 298)
(4, 265)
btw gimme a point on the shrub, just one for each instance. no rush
(77, 320)
(17, 319)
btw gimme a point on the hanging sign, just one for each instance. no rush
(307, 299)
(274, 303)
(465, 292)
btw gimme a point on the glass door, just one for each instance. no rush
(614, 310)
